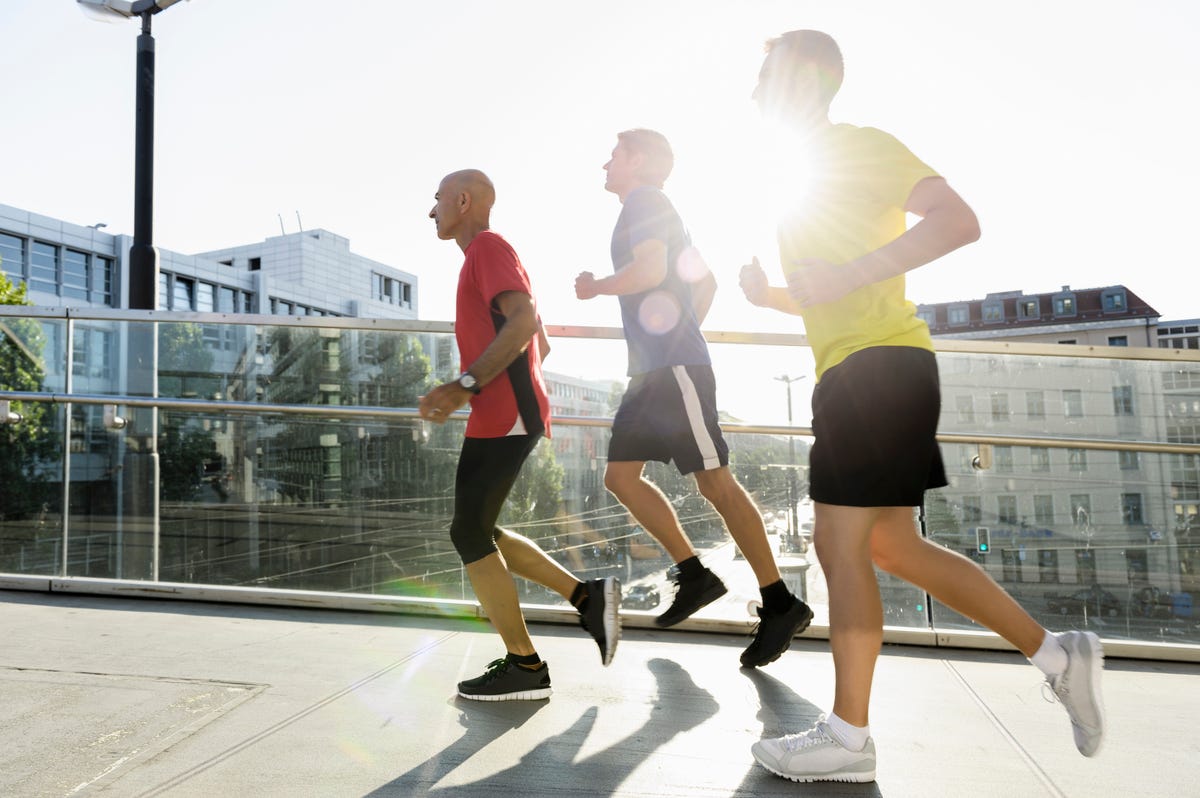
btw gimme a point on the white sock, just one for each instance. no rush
(852, 738)
(1051, 658)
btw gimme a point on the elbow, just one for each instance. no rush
(970, 228)
(961, 227)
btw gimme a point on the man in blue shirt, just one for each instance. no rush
(669, 410)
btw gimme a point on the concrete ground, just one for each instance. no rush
(140, 697)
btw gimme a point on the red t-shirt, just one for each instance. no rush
(491, 268)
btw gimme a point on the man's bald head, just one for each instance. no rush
(473, 182)
(463, 205)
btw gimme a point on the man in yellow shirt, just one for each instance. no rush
(845, 249)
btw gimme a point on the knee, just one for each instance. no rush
(721, 489)
(617, 481)
(885, 558)
(895, 555)
(718, 492)
(470, 542)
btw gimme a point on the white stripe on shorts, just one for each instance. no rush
(695, 416)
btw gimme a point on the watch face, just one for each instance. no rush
(467, 381)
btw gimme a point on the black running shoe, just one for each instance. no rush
(774, 633)
(601, 619)
(505, 680)
(690, 595)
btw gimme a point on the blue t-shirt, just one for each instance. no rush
(660, 324)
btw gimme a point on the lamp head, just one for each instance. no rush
(114, 10)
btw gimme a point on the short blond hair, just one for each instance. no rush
(804, 47)
(654, 147)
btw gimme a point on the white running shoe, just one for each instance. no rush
(1078, 689)
(815, 756)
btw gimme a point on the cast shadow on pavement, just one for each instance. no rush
(598, 774)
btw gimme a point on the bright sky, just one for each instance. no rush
(1069, 126)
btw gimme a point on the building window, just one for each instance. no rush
(1035, 404)
(205, 299)
(1131, 509)
(1123, 400)
(12, 257)
(927, 315)
(102, 278)
(164, 291)
(1118, 340)
(1028, 309)
(1043, 510)
(972, 509)
(1072, 403)
(1129, 461)
(406, 295)
(226, 300)
(1077, 459)
(1081, 511)
(999, 407)
(1064, 305)
(43, 268)
(993, 311)
(184, 296)
(75, 274)
(1012, 565)
(1039, 458)
(1085, 566)
(1048, 566)
(91, 353)
(1006, 510)
(958, 315)
(966, 408)
(1003, 459)
(255, 264)
(1069, 341)
(1113, 301)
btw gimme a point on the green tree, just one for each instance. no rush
(185, 446)
(185, 363)
(30, 450)
(538, 490)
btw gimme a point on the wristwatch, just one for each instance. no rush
(468, 381)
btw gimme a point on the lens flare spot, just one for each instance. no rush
(690, 266)
(659, 313)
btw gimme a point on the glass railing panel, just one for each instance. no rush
(1080, 543)
(1065, 397)
(305, 365)
(359, 505)
(33, 358)
(1099, 537)
(327, 501)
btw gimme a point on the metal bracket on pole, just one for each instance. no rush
(983, 460)
(7, 416)
(111, 420)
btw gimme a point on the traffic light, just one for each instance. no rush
(983, 539)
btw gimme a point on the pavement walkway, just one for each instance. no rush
(138, 697)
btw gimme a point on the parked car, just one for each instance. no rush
(1096, 599)
(641, 597)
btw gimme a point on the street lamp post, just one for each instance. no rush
(138, 488)
(793, 519)
(143, 258)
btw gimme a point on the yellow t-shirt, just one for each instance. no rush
(859, 180)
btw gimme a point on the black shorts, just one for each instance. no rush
(670, 414)
(875, 419)
(487, 470)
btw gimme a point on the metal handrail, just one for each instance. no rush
(375, 412)
(957, 345)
